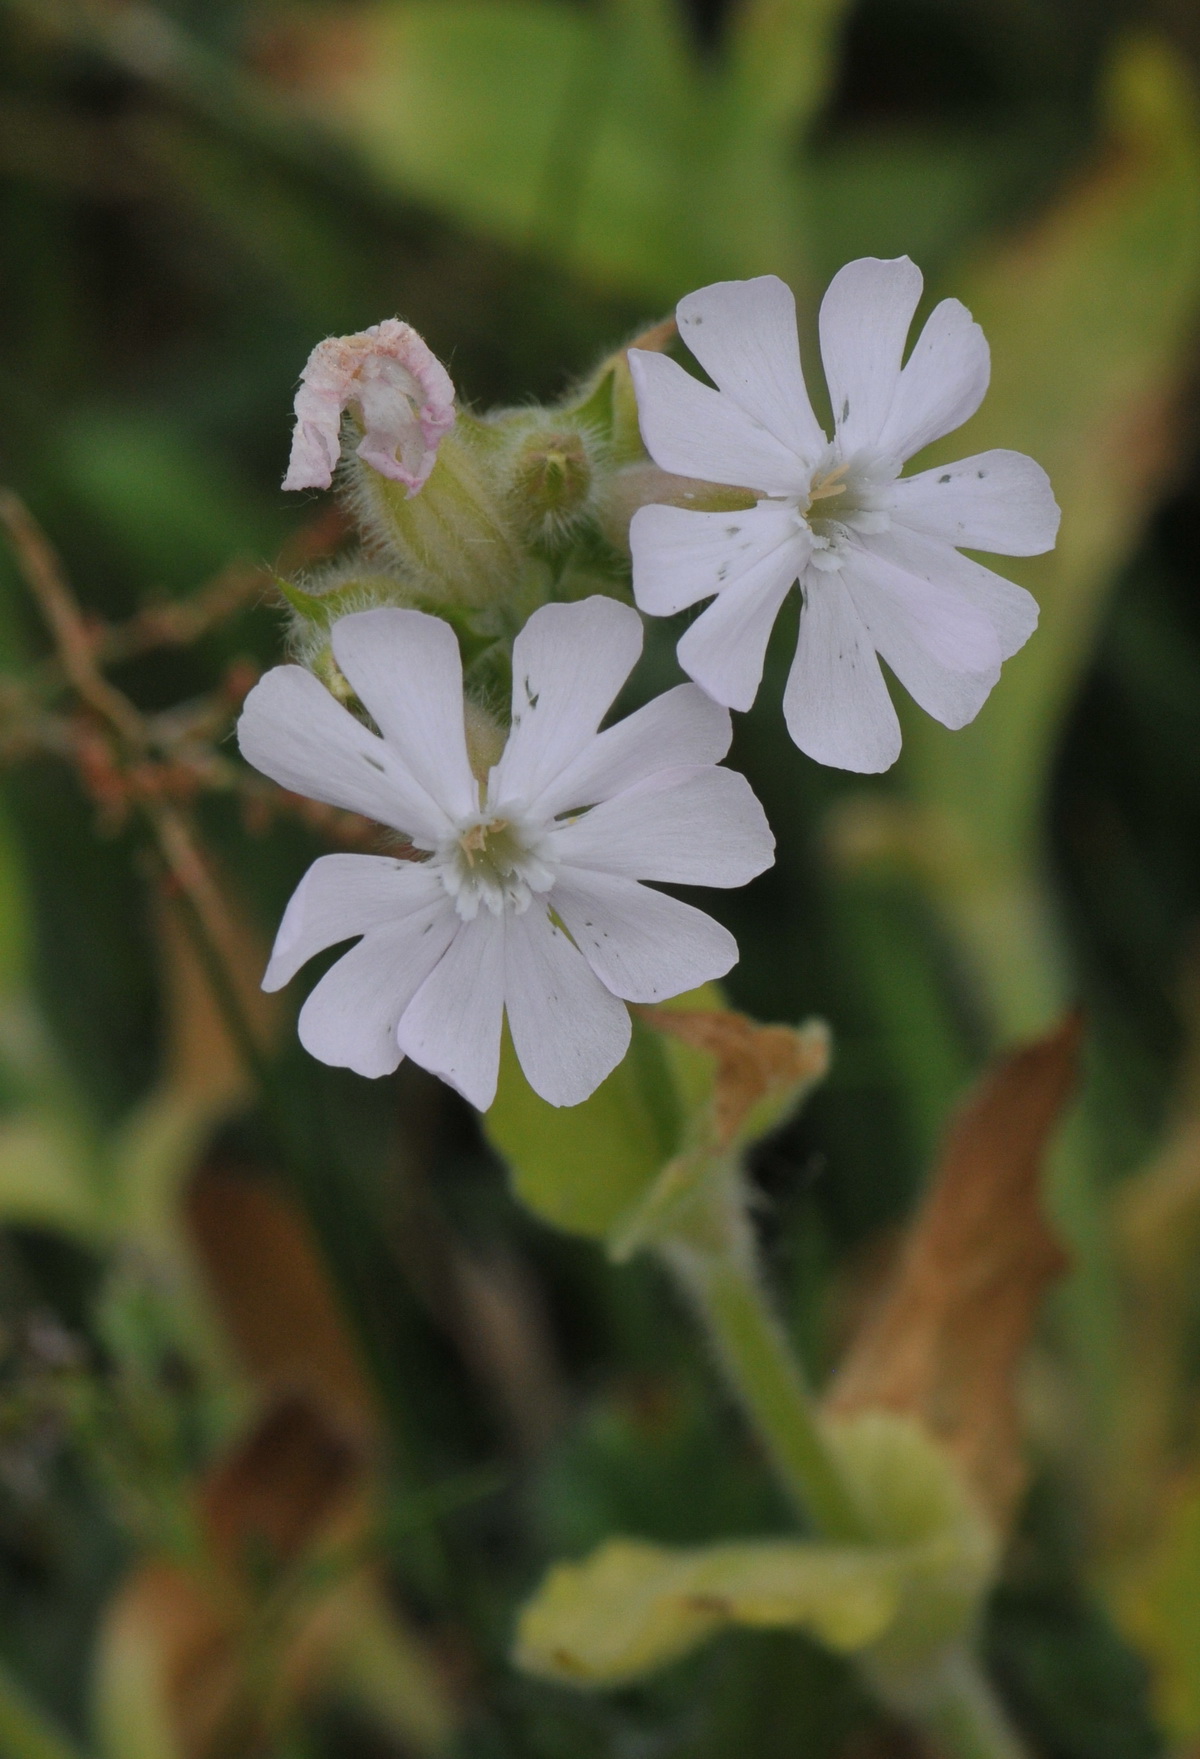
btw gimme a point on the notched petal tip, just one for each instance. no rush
(399, 391)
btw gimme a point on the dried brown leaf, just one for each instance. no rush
(272, 1292)
(945, 1341)
(754, 1064)
(228, 1648)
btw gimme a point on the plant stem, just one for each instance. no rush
(957, 1708)
(953, 1705)
(765, 1377)
(25, 1730)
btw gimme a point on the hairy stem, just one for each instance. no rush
(957, 1710)
(768, 1382)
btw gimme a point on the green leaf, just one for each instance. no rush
(1161, 1610)
(633, 1607)
(600, 135)
(44, 1178)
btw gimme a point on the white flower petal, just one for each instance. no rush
(743, 333)
(569, 662)
(724, 649)
(864, 322)
(1000, 501)
(943, 649)
(836, 703)
(693, 430)
(568, 1031)
(452, 1025)
(345, 895)
(683, 726)
(691, 826)
(294, 731)
(680, 557)
(350, 1018)
(641, 944)
(1011, 611)
(406, 669)
(943, 382)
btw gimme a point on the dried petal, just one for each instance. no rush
(397, 388)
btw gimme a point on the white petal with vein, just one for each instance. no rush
(683, 726)
(700, 826)
(568, 1030)
(743, 333)
(345, 895)
(865, 316)
(943, 382)
(452, 1025)
(694, 431)
(642, 944)
(724, 650)
(999, 501)
(681, 557)
(350, 1018)
(836, 703)
(568, 664)
(294, 731)
(405, 667)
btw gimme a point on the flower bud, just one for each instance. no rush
(551, 481)
(455, 540)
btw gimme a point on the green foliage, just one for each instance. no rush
(600, 136)
(632, 1607)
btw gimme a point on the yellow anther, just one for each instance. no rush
(829, 485)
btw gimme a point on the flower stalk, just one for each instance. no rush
(768, 1382)
(711, 1257)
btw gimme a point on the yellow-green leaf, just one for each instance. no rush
(633, 1607)
(1162, 1613)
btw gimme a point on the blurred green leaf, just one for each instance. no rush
(602, 137)
(632, 1607)
(1162, 1614)
(1089, 315)
(582, 1167)
(25, 1731)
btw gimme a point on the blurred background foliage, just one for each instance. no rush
(322, 1319)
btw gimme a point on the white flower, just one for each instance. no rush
(875, 553)
(528, 897)
(400, 392)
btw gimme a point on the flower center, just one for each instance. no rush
(846, 496)
(496, 859)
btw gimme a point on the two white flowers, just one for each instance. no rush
(520, 892)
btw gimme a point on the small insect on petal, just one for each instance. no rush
(397, 389)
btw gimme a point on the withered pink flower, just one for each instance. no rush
(398, 389)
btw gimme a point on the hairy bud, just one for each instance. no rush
(551, 480)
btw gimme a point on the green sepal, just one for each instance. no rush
(587, 1168)
(597, 408)
(322, 609)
